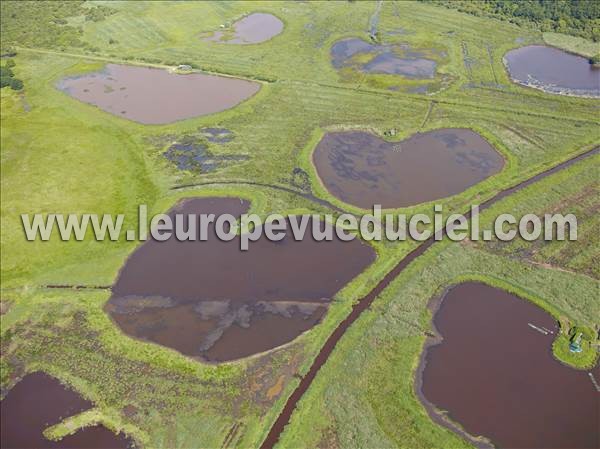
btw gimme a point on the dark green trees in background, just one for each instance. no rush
(576, 17)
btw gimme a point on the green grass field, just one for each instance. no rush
(60, 155)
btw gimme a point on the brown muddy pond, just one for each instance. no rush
(40, 401)
(155, 96)
(209, 299)
(386, 59)
(252, 29)
(553, 70)
(362, 169)
(495, 375)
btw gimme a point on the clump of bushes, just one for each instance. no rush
(577, 18)
(98, 13)
(595, 60)
(7, 76)
(46, 24)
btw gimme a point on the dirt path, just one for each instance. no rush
(306, 195)
(284, 417)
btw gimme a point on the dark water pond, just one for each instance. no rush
(211, 300)
(362, 169)
(40, 401)
(252, 29)
(497, 378)
(190, 154)
(553, 70)
(156, 96)
(387, 59)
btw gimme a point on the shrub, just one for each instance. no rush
(16, 84)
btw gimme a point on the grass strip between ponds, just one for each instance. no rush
(284, 417)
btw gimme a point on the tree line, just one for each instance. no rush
(575, 17)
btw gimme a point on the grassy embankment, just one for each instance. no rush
(59, 155)
(573, 44)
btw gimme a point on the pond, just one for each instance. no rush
(386, 59)
(553, 70)
(155, 96)
(252, 29)
(495, 375)
(209, 299)
(362, 169)
(40, 401)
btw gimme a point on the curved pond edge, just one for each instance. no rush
(88, 418)
(98, 65)
(362, 282)
(440, 416)
(321, 193)
(574, 93)
(215, 363)
(235, 20)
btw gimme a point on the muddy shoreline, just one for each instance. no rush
(211, 300)
(552, 70)
(437, 415)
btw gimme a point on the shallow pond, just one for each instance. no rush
(190, 154)
(385, 59)
(40, 401)
(553, 70)
(211, 300)
(362, 169)
(252, 29)
(155, 96)
(496, 376)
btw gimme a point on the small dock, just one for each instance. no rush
(595, 382)
(539, 329)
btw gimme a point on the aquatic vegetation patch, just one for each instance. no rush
(392, 66)
(193, 155)
(362, 169)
